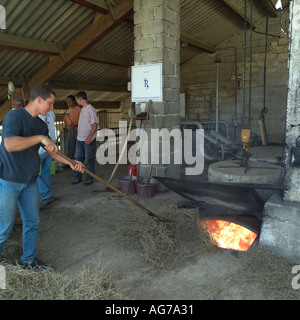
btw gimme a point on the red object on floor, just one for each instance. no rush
(133, 168)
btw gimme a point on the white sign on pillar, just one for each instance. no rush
(146, 83)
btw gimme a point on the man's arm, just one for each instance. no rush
(78, 167)
(17, 143)
(88, 140)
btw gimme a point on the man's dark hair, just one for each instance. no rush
(41, 91)
(72, 98)
(82, 95)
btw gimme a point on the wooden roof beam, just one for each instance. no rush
(272, 10)
(91, 5)
(86, 86)
(111, 9)
(19, 83)
(102, 25)
(10, 42)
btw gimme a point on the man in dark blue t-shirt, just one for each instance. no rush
(23, 133)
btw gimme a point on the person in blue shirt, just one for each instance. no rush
(23, 132)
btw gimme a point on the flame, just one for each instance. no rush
(229, 235)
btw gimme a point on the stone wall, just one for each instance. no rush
(157, 40)
(293, 103)
(198, 80)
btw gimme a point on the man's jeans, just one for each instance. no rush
(71, 146)
(27, 198)
(44, 181)
(88, 153)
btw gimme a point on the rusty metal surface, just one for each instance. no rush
(232, 197)
(215, 201)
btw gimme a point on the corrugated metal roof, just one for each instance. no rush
(119, 42)
(205, 22)
(50, 20)
(211, 22)
(15, 63)
(93, 72)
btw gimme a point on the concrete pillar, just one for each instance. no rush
(292, 178)
(281, 217)
(157, 40)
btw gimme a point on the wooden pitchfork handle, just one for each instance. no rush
(151, 214)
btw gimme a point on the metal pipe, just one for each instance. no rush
(217, 98)
(199, 126)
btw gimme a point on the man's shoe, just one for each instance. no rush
(46, 202)
(88, 182)
(75, 181)
(37, 265)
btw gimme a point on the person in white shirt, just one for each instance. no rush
(86, 137)
(44, 180)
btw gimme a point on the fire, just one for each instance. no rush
(229, 235)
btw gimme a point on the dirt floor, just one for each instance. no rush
(83, 227)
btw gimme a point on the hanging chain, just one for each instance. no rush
(266, 50)
(250, 67)
(245, 56)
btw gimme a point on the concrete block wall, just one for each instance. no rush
(125, 106)
(198, 80)
(157, 33)
(293, 112)
(113, 117)
(157, 40)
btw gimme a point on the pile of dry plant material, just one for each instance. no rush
(165, 244)
(89, 284)
(13, 246)
(261, 271)
(272, 271)
(169, 244)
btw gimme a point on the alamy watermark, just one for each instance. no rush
(296, 279)
(2, 18)
(2, 278)
(154, 147)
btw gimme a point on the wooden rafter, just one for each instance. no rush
(101, 26)
(86, 86)
(90, 5)
(19, 83)
(272, 10)
(111, 9)
(17, 43)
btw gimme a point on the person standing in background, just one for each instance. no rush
(86, 138)
(72, 119)
(18, 103)
(44, 180)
